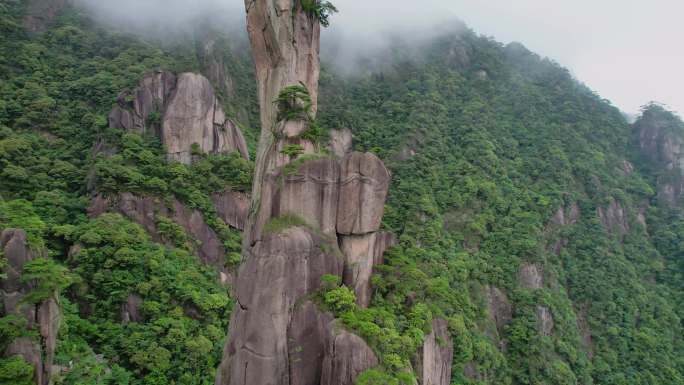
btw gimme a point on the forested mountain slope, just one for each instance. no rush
(530, 216)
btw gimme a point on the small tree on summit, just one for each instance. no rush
(321, 10)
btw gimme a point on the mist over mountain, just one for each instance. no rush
(425, 205)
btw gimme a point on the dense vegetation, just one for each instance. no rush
(485, 142)
(57, 89)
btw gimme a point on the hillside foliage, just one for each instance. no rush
(485, 142)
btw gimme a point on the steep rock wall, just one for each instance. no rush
(292, 237)
(183, 111)
(43, 318)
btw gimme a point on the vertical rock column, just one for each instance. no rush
(299, 209)
(284, 265)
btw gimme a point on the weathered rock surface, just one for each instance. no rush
(530, 276)
(194, 116)
(130, 311)
(182, 110)
(545, 319)
(362, 253)
(341, 142)
(364, 183)
(614, 218)
(144, 211)
(277, 337)
(283, 269)
(44, 317)
(432, 365)
(660, 138)
(310, 193)
(232, 207)
(346, 356)
(499, 307)
(40, 13)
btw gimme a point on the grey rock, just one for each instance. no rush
(530, 276)
(194, 116)
(364, 183)
(362, 253)
(308, 335)
(432, 364)
(347, 355)
(341, 142)
(499, 307)
(614, 218)
(44, 317)
(130, 310)
(28, 349)
(232, 207)
(545, 319)
(311, 193)
(283, 269)
(182, 111)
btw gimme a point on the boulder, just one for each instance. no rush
(659, 136)
(308, 335)
(194, 116)
(130, 310)
(499, 307)
(432, 364)
(364, 182)
(183, 111)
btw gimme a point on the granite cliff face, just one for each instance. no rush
(311, 215)
(183, 111)
(42, 318)
(659, 136)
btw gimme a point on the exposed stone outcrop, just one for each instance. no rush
(364, 185)
(183, 111)
(40, 13)
(545, 319)
(44, 318)
(283, 269)
(346, 356)
(432, 364)
(614, 218)
(341, 142)
(564, 216)
(499, 307)
(530, 276)
(277, 336)
(145, 211)
(659, 135)
(130, 310)
(232, 207)
(362, 252)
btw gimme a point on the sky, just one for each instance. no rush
(629, 51)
